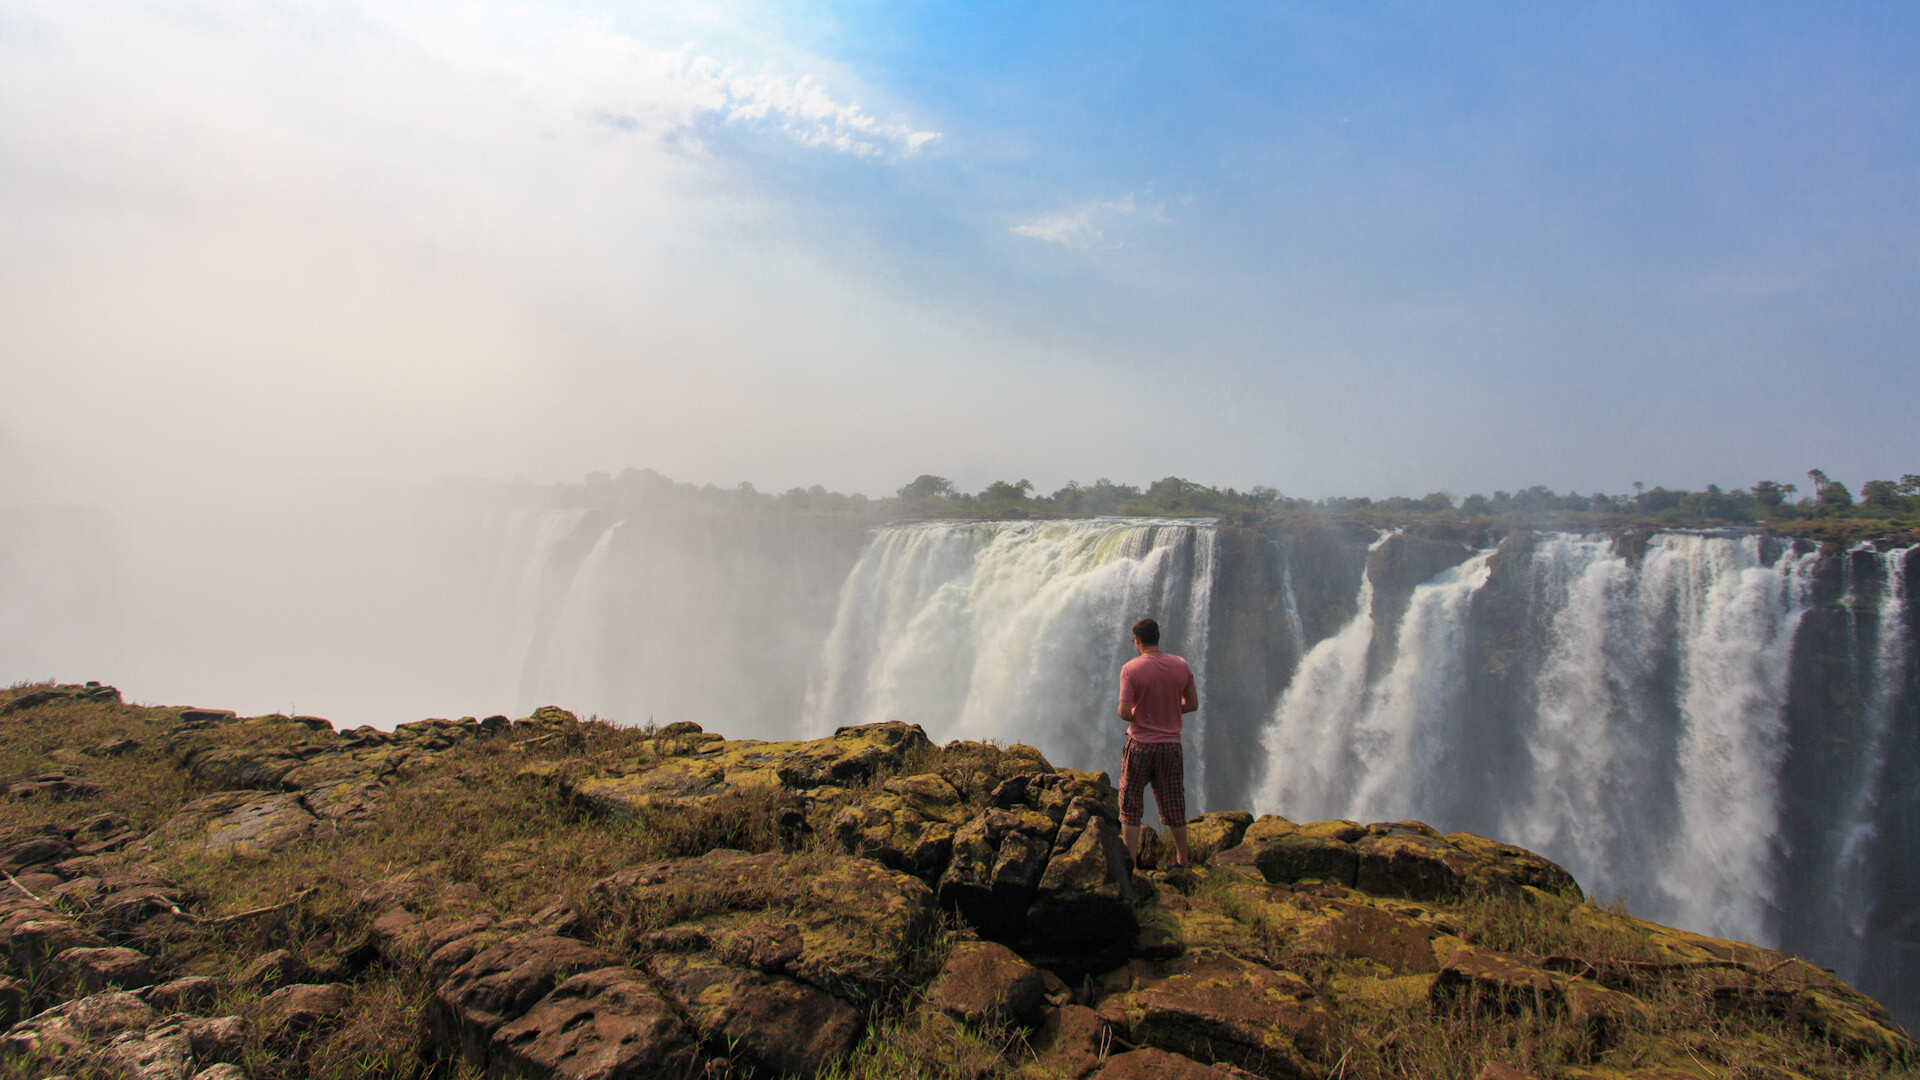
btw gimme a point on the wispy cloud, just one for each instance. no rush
(806, 113)
(1099, 224)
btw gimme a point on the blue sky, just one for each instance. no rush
(1365, 249)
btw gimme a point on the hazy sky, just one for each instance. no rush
(1364, 249)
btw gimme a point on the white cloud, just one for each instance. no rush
(1099, 224)
(810, 116)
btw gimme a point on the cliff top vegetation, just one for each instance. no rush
(1826, 509)
(191, 893)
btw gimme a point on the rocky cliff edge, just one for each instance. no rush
(190, 893)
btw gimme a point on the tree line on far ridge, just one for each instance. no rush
(1826, 508)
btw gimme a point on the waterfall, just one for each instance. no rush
(1014, 631)
(1854, 875)
(1339, 747)
(1737, 617)
(1654, 737)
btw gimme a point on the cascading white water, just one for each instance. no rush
(1736, 621)
(1342, 747)
(1014, 631)
(1654, 743)
(1853, 873)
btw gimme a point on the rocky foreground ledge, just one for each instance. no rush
(194, 894)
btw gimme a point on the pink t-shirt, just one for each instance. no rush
(1153, 685)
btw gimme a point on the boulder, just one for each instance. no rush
(1072, 1042)
(778, 1024)
(1086, 894)
(1053, 792)
(846, 924)
(33, 941)
(717, 769)
(34, 851)
(608, 1023)
(1217, 1007)
(1487, 981)
(191, 993)
(1320, 851)
(1211, 833)
(216, 1038)
(1151, 1064)
(52, 787)
(1498, 867)
(161, 1052)
(114, 747)
(909, 827)
(500, 984)
(272, 969)
(77, 1024)
(90, 970)
(853, 755)
(989, 984)
(1402, 945)
(1404, 859)
(294, 1010)
(994, 875)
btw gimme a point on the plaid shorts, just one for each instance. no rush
(1158, 764)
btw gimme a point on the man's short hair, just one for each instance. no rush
(1147, 631)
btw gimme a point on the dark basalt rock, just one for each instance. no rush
(501, 984)
(1218, 1007)
(986, 983)
(606, 1023)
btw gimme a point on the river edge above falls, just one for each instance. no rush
(198, 892)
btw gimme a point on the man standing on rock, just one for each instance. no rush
(1156, 690)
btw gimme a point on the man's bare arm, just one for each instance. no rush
(1189, 699)
(1126, 710)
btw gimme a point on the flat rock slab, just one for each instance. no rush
(1216, 1007)
(1400, 944)
(241, 822)
(1498, 982)
(52, 787)
(598, 1025)
(779, 1024)
(93, 970)
(77, 1024)
(846, 924)
(1151, 1064)
(501, 984)
(1406, 859)
(292, 1010)
(191, 993)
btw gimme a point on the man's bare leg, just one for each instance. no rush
(1131, 834)
(1180, 845)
